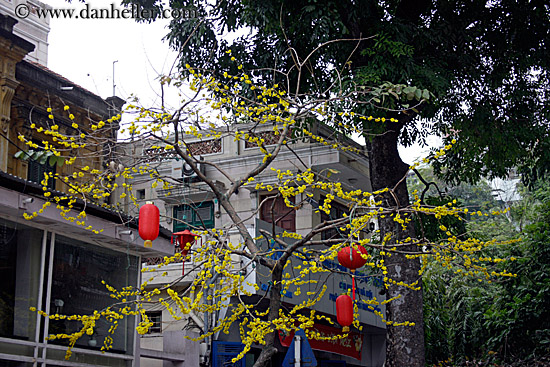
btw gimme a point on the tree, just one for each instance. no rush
(498, 322)
(272, 120)
(518, 320)
(486, 62)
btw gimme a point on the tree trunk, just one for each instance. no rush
(404, 344)
(269, 349)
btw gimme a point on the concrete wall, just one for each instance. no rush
(171, 349)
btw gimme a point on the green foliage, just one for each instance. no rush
(429, 226)
(519, 319)
(436, 314)
(475, 197)
(41, 156)
(503, 321)
(486, 62)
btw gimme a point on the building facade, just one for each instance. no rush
(50, 263)
(190, 204)
(31, 28)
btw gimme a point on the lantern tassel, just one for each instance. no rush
(353, 284)
(352, 273)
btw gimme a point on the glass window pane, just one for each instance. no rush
(187, 214)
(36, 170)
(337, 211)
(156, 318)
(190, 216)
(78, 271)
(20, 254)
(6, 363)
(204, 213)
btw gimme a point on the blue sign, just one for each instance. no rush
(307, 359)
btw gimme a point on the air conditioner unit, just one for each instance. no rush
(373, 225)
(183, 171)
(177, 169)
(188, 172)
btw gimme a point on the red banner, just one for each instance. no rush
(350, 346)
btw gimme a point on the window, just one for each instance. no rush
(337, 211)
(36, 170)
(140, 194)
(156, 318)
(279, 212)
(78, 269)
(20, 251)
(199, 215)
(224, 352)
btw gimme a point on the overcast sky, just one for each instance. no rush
(83, 51)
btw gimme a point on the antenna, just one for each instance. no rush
(114, 85)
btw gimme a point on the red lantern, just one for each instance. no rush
(148, 223)
(184, 239)
(344, 310)
(351, 258)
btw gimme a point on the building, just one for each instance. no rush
(31, 28)
(191, 204)
(50, 263)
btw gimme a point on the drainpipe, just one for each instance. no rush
(197, 320)
(297, 351)
(207, 317)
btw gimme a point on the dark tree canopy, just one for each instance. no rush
(486, 62)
